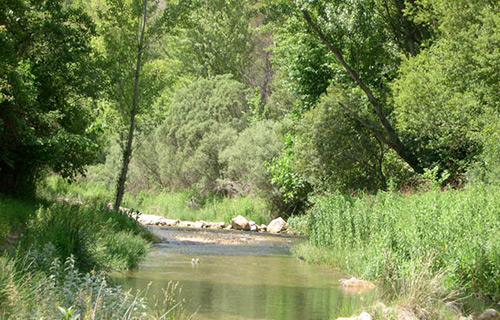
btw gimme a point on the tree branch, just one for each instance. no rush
(365, 123)
(394, 141)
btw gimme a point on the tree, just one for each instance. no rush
(46, 82)
(446, 98)
(356, 44)
(131, 32)
(203, 119)
(216, 41)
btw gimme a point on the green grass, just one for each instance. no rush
(96, 237)
(186, 205)
(55, 270)
(450, 237)
(64, 292)
(14, 214)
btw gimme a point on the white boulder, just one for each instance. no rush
(277, 225)
(240, 223)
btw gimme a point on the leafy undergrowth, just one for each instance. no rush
(96, 237)
(425, 250)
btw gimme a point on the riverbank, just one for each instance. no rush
(56, 256)
(428, 252)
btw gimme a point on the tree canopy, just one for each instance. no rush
(47, 83)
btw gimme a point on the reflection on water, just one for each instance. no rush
(244, 282)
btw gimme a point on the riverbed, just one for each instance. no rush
(241, 275)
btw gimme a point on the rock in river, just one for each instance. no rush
(356, 283)
(240, 223)
(490, 314)
(277, 225)
(362, 316)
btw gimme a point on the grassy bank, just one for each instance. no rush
(55, 258)
(425, 248)
(185, 205)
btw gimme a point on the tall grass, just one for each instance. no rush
(13, 216)
(55, 271)
(62, 291)
(189, 206)
(386, 237)
(186, 205)
(96, 237)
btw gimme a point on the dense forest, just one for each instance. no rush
(373, 126)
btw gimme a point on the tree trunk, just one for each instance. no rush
(127, 153)
(393, 139)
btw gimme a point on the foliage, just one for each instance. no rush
(384, 237)
(46, 69)
(96, 237)
(117, 43)
(203, 119)
(447, 94)
(292, 196)
(244, 159)
(334, 151)
(216, 41)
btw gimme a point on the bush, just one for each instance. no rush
(244, 159)
(203, 119)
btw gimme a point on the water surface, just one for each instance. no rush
(241, 276)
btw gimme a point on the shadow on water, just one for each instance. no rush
(250, 280)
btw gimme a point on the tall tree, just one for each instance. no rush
(356, 44)
(216, 40)
(46, 79)
(131, 33)
(127, 152)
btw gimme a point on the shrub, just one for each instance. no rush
(244, 159)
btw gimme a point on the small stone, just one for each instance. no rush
(356, 283)
(254, 228)
(240, 223)
(186, 224)
(362, 316)
(277, 225)
(263, 228)
(199, 224)
(489, 314)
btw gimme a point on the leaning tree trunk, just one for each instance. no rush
(391, 138)
(127, 153)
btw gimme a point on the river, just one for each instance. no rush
(240, 275)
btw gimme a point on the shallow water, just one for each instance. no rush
(241, 277)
